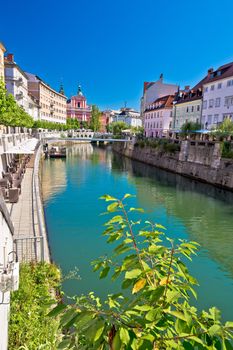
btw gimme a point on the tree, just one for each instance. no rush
(11, 114)
(95, 118)
(117, 127)
(155, 311)
(72, 123)
(190, 126)
(226, 126)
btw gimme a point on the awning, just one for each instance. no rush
(27, 147)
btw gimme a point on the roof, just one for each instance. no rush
(192, 94)
(223, 72)
(36, 78)
(9, 64)
(162, 102)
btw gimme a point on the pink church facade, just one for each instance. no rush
(77, 107)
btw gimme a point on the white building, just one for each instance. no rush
(217, 96)
(154, 90)
(158, 117)
(16, 82)
(128, 116)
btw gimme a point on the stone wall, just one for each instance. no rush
(196, 159)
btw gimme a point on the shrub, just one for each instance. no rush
(155, 311)
(29, 324)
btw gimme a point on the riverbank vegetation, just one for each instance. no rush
(29, 326)
(163, 145)
(152, 310)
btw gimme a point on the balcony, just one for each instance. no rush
(19, 96)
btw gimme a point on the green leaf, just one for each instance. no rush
(137, 209)
(133, 274)
(229, 324)
(112, 207)
(108, 198)
(57, 310)
(104, 272)
(213, 330)
(116, 344)
(153, 315)
(127, 195)
(124, 335)
(143, 307)
(177, 314)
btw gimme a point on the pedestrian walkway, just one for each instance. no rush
(28, 243)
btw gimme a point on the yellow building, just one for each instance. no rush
(52, 103)
(2, 51)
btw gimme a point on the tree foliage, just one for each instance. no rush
(226, 126)
(117, 127)
(72, 123)
(11, 114)
(95, 118)
(44, 124)
(152, 310)
(190, 126)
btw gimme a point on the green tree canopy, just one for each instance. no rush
(190, 126)
(226, 126)
(11, 114)
(95, 118)
(72, 123)
(117, 127)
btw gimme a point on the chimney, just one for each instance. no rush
(10, 57)
(210, 70)
(161, 77)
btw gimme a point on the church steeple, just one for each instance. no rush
(80, 91)
(61, 90)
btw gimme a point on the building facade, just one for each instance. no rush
(187, 108)
(154, 90)
(2, 51)
(158, 117)
(52, 103)
(218, 96)
(129, 116)
(16, 81)
(77, 107)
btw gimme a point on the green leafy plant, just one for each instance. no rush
(29, 326)
(152, 310)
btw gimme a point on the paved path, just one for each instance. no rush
(21, 212)
(26, 230)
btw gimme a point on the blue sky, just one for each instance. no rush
(111, 47)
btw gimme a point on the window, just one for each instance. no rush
(206, 89)
(216, 119)
(219, 85)
(204, 104)
(192, 108)
(217, 102)
(198, 108)
(161, 124)
(229, 101)
(187, 109)
(229, 82)
(211, 103)
(209, 119)
(212, 88)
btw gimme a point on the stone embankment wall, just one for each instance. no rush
(198, 160)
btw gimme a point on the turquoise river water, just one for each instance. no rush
(188, 209)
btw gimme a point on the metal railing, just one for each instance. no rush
(29, 249)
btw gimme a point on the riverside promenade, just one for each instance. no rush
(27, 216)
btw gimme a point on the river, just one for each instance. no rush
(188, 209)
